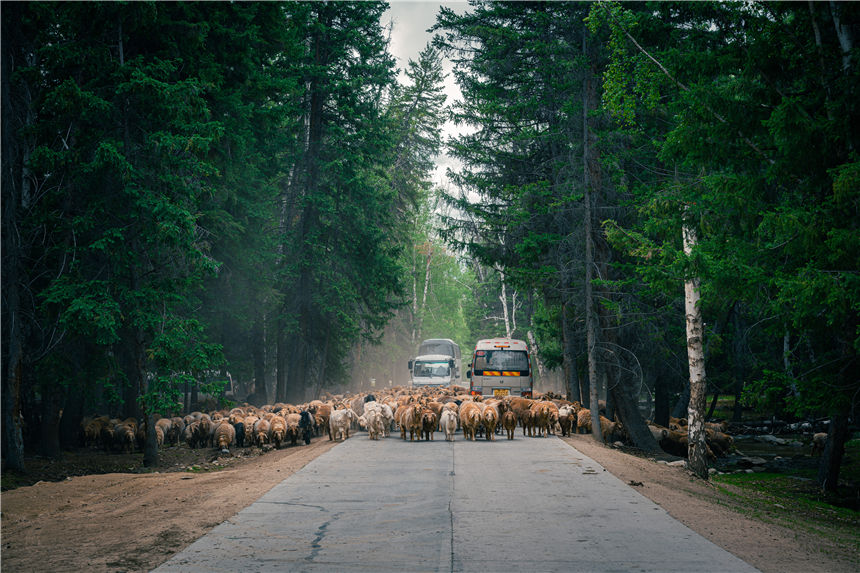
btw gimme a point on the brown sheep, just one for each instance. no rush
(541, 414)
(509, 423)
(411, 420)
(123, 435)
(225, 435)
(583, 420)
(106, 434)
(260, 435)
(470, 419)
(490, 419)
(166, 425)
(293, 431)
(522, 408)
(819, 440)
(278, 430)
(191, 434)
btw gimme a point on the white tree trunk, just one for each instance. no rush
(414, 297)
(697, 448)
(504, 299)
(533, 345)
(424, 296)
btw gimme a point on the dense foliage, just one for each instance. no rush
(737, 120)
(196, 196)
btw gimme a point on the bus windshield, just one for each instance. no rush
(440, 369)
(509, 360)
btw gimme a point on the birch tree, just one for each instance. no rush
(697, 448)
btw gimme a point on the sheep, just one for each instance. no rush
(470, 419)
(385, 412)
(166, 425)
(106, 436)
(490, 419)
(410, 419)
(522, 408)
(190, 434)
(177, 426)
(509, 423)
(429, 423)
(339, 423)
(278, 430)
(541, 414)
(819, 440)
(375, 423)
(123, 436)
(566, 419)
(293, 431)
(159, 436)
(225, 435)
(92, 432)
(607, 428)
(306, 425)
(448, 421)
(583, 420)
(261, 433)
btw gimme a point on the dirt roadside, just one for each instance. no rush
(719, 517)
(134, 522)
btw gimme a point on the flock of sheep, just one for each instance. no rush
(418, 412)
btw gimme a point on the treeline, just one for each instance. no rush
(621, 151)
(192, 189)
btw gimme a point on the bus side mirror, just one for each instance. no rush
(468, 374)
(451, 363)
(410, 365)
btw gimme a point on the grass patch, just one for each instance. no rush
(795, 502)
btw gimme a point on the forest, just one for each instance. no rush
(235, 200)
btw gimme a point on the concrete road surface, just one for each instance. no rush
(527, 505)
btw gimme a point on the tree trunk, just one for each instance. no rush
(503, 298)
(739, 364)
(627, 406)
(661, 401)
(13, 179)
(590, 318)
(844, 34)
(571, 374)
(533, 345)
(834, 449)
(414, 333)
(49, 429)
(697, 448)
(258, 349)
(150, 448)
(713, 406)
(423, 307)
(281, 362)
(73, 413)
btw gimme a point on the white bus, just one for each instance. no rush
(501, 367)
(439, 363)
(432, 370)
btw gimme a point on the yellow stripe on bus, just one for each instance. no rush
(510, 373)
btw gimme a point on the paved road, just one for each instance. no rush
(527, 505)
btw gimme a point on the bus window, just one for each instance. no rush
(507, 360)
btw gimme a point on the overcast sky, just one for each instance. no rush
(409, 36)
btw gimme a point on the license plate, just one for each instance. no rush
(501, 391)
